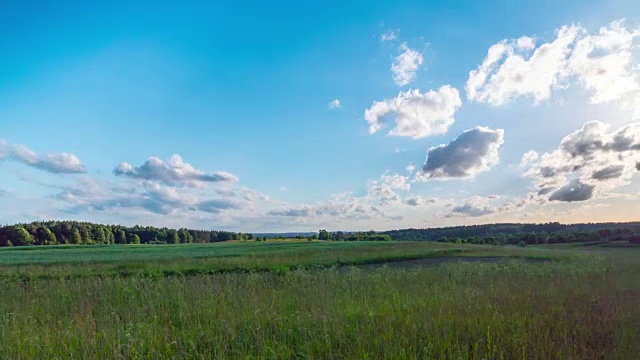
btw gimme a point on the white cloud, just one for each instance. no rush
(384, 189)
(57, 163)
(340, 206)
(90, 194)
(529, 157)
(526, 43)
(588, 163)
(381, 193)
(507, 73)
(334, 104)
(173, 172)
(415, 114)
(390, 35)
(411, 168)
(601, 63)
(405, 65)
(474, 151)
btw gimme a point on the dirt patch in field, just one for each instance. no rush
(434, 261)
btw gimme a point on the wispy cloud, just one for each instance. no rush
(57, 163)
(406, 65)
(334, 104)
(389, 35)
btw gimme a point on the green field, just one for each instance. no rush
(64, 261)
(289, 300)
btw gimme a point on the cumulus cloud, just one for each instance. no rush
(381, 192)
(57, 163)
(589, 162)
(390, 35)
(610, 172)
(573, 191)
(415, 114)
(154, 199)
(474, 207)
(341, 206)
(405, 65)
(601, 63)
(173, 172)
(384, 189)
(473, 152)
(417, 200)
(334, 104)
(91, 194)
(529, 157)
(508, 73)
(526, 43)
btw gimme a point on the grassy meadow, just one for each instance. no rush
(286, 300)
(68, 261)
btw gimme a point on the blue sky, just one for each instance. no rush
(242, 93)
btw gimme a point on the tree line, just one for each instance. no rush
(352, 236)
(524, 234)
(74, 232)
(325, 235)
(85, 233)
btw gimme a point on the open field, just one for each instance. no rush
(191, 259)
(583, 304)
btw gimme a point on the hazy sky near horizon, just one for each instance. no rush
(291, 116)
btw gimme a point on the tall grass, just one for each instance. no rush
(586, 308)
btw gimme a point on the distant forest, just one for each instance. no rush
(72, 232)
(523, 234)
(84, 233)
